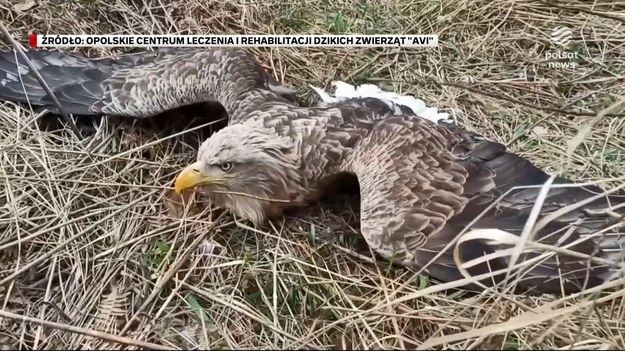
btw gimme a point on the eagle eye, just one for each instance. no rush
(227, 166)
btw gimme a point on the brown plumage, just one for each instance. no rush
(421, 183)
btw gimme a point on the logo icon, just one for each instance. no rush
(561, 35)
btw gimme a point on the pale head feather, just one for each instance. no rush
(263, 165)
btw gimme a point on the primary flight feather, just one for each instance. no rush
(422, 179)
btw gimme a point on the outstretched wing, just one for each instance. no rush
(135, 85)
(420, 186)
(409, 183)
(507, 206)
(75, 80)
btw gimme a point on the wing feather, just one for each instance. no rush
(409, 184)
(139, 84)
(422, 184)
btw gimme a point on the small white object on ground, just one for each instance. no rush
(209, 247)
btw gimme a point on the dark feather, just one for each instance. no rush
(490, 163)
(87, 86)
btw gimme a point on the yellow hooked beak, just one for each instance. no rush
(191, 177)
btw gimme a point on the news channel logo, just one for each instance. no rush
(561, 36)
(561, 58)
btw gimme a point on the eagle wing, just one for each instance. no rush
(136, 85)
(421, 186)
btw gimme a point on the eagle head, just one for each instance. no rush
(247, 168)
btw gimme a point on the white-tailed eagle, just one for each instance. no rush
(421, 181)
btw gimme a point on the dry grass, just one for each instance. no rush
(87, 238)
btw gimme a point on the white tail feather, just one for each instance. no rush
(343, 91)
